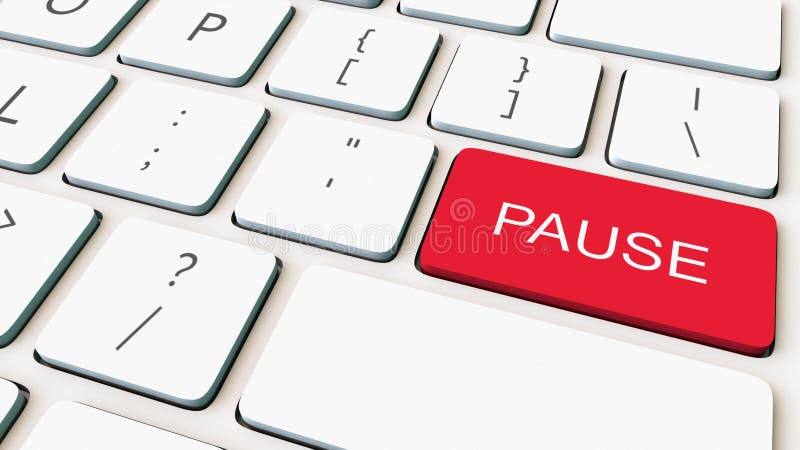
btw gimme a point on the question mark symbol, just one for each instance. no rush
(191, 256)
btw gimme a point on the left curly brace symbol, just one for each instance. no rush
(363, 39)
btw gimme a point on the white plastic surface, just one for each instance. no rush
(46, 100)
(168, 145)
(358, 363)
(338, 185)
(741, 37)
(518, 94)
(218, 42)
(132, 322)
(215, 424)
(698, 129)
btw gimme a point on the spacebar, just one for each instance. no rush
(358, 363)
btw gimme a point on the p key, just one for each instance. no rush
(678, 264)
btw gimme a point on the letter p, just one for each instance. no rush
(202, 26)
(503, 218)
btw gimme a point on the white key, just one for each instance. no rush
(338, 185)
(161, 311)
(40, 235)
(12, 402)
(702, 130)
(701, 33)
(168, 145)
(357, 62)
(73, 426)
(409, 369)
(217, 41)
(360, 3)
(504, 16)
(43, 102)
(83, 27)
(519, 94)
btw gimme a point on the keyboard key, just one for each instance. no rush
(82, 27)
(338, 185)
(356, 62)
(504, 16)
(698, 33)
(408, 369)
(209, 40)
(161, 312)
(168, 145)
(12, 402)
(73, 426)
(678, 264)
(43, 102)
(716, 133)
(361, 3)
(40, 235)
(519, 94)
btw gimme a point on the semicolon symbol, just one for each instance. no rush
(363, 39)
(525, 70)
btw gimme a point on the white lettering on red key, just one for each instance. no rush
(554, 220)
(652, 258)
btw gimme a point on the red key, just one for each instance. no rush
(678, 264)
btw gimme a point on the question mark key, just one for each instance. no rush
(160, 311)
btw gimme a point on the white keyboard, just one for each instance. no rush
(211, 216)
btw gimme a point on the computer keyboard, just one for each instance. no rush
(248, 224)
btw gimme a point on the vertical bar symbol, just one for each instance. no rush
(697, 99)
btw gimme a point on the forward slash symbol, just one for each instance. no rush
(10, 219)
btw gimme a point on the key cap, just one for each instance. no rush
(83, 27)
(357, 62)
(698, 33)
(209, 40)
(345, 187)
(73, 426)
(361, 3)
(12, 402)
(504, 16)
(168, 145)
(702, 130)
(678, 264)
(410, 369)
(40, 235)
(519, 94)
(43, 102)
(161, 312)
